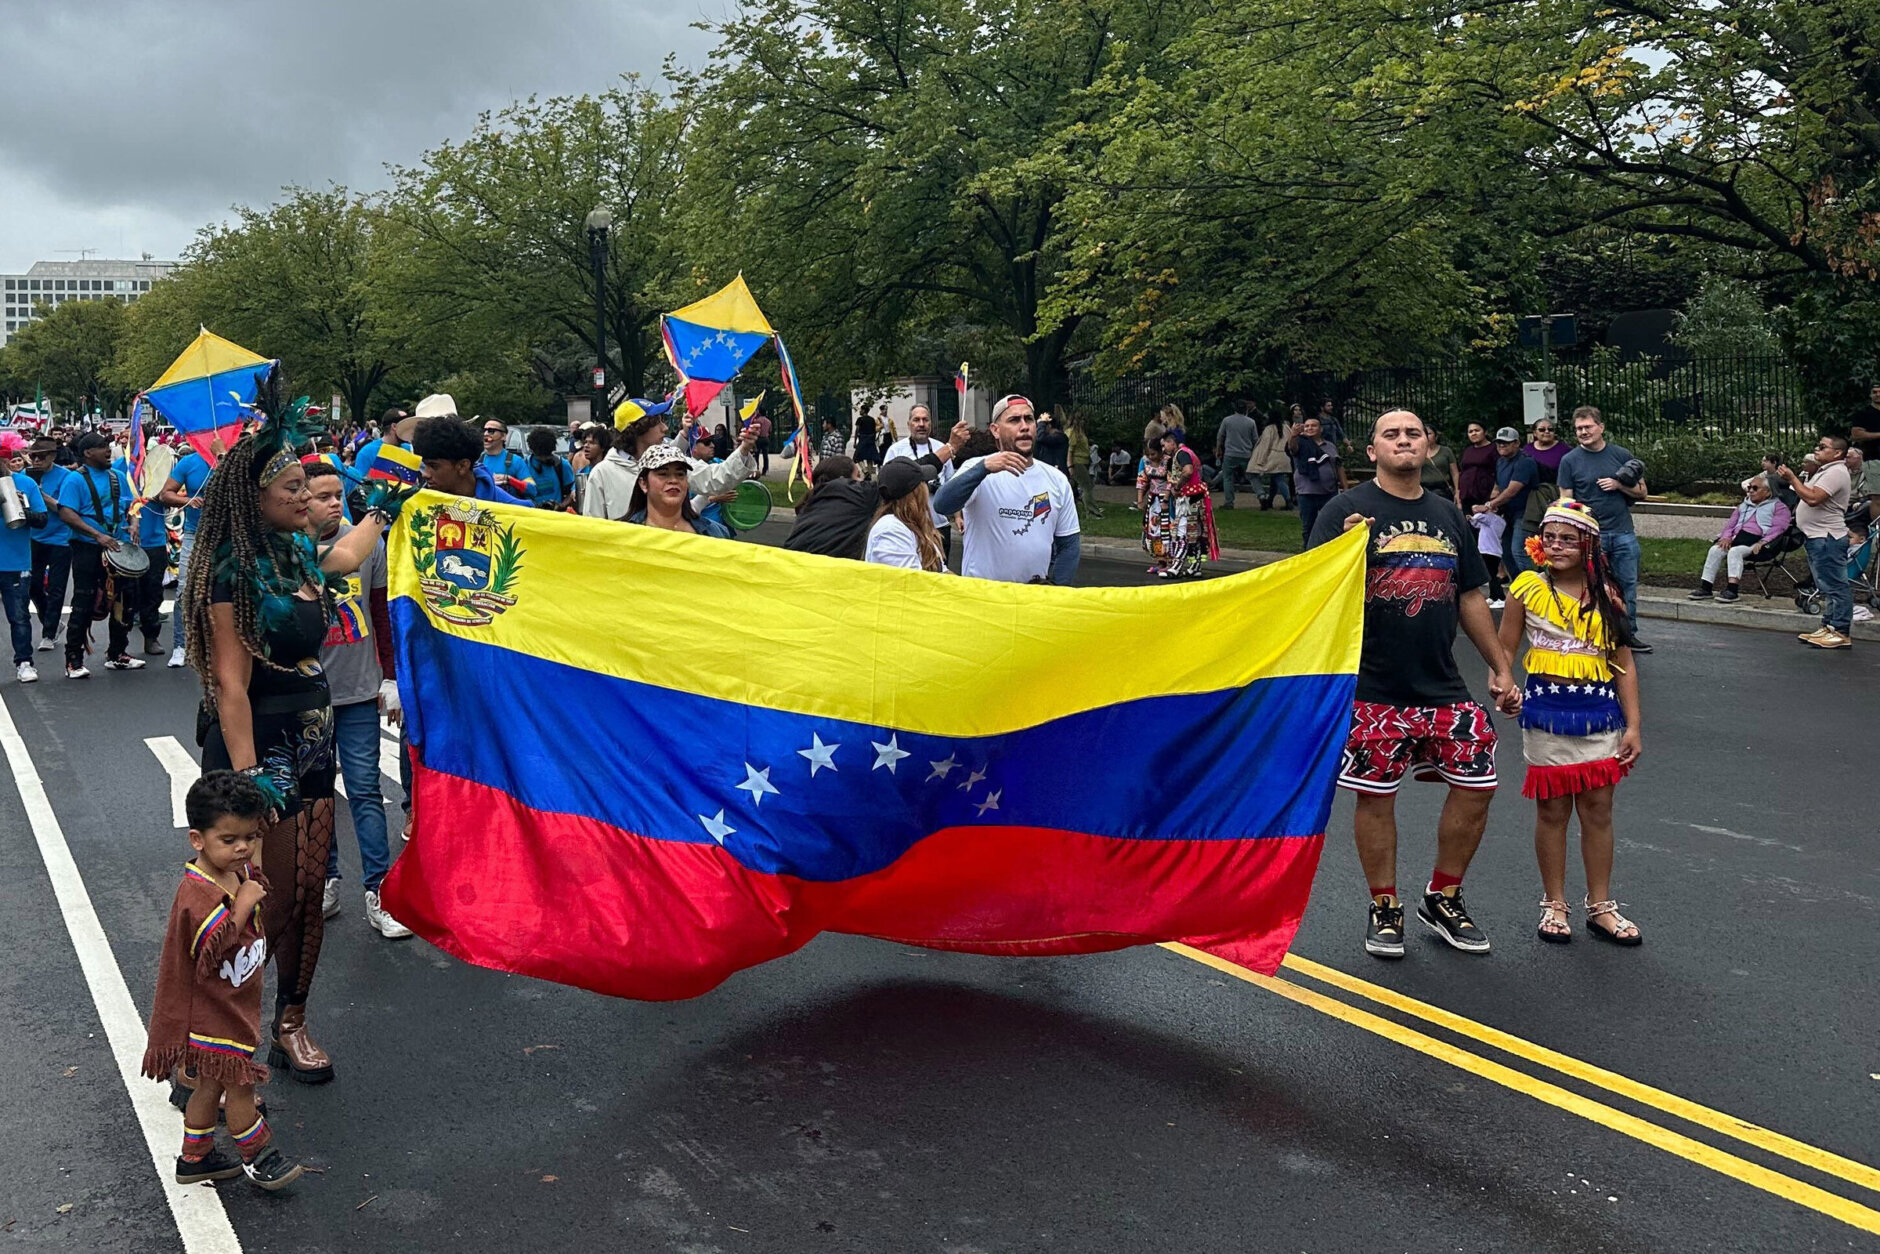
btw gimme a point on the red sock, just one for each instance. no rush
(1440, 881)
(1384, 890)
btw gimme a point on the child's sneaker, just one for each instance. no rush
(215, 1165)
(271, 1170)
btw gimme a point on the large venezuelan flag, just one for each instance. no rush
(645, 761)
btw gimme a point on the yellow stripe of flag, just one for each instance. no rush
(894, 648)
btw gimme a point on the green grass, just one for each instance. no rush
(1669, 563)
(1275, 531)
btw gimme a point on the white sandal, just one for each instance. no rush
(1547, 916)
(1620, 924)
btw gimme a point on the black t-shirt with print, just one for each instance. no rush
(1421, 559)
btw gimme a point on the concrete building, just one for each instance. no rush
(52, 283)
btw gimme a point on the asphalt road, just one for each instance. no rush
(862, 1096)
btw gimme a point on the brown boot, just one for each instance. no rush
(295, 1050)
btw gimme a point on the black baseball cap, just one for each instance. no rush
(901, 476)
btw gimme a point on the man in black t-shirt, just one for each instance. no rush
(1863, 426)
(1413, 712)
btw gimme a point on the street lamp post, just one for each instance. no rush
(598, 221)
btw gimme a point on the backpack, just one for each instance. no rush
(1540, 496)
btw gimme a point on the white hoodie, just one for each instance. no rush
(609, 488)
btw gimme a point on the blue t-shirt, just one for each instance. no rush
(1580, 473)
(508, 462)
(191, 473)
(1519, 468)
(550, 482)
(55, 531)
(16, 543)
(111, 513)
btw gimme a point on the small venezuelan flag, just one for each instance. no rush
(944, 762)
(400, 465)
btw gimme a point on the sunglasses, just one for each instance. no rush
(493, 431)
(1559, 541)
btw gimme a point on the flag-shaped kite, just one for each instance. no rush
(785, 805)
(709, 341)
(205, 390)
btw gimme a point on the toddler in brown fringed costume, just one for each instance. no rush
(207, 1014)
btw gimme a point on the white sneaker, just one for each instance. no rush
(329, 899)
(77, 672)
(47, 645)
(1862, 614)
(125, 663)
(177, 661)
(389, 928)
(1496, 603)
(26, 674)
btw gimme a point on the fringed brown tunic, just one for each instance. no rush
(207, 1013)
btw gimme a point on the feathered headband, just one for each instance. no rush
(285, 430)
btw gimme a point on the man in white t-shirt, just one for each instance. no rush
(918, 444)
(1018, 514)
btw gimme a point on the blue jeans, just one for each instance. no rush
(356, 740)
(1515, 556)
(1827, 562)
(177, 618)
(13, 588)
(1621, 550)
(1310, 503)
(1275, 486)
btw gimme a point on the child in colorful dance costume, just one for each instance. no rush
(207, 1013)
(1579, 712)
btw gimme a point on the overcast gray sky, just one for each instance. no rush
(127, 124)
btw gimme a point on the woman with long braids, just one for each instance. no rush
(257, 606)
(1579, 712)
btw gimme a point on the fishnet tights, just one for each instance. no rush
(293, 856)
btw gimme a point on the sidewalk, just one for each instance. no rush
(1752, 612)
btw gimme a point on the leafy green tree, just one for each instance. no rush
(69, 351)
(493, 269)
(300, 280)
(867, 166)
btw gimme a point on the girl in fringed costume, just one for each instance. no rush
(1191, 535)
(207, 1011)
(1579, 712)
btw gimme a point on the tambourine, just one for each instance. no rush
(128, 561)
(750, 507)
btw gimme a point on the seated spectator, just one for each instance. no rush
(1862, 497)
(1772, 464)
(1122, 465)
(1755, 524)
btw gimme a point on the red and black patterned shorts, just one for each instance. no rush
(1452, 744)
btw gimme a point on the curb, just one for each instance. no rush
(1775, 614)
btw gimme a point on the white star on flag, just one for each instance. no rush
(974, 778)
(943, 767)
(890, 754)
(716, 826)
(757, 783)
(819, 755)
(1553, 687)
(990, 803)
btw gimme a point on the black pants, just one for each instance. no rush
(52, 571)
(946, 543)
(88, 579)
(148, 606)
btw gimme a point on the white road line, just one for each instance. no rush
(200, 1218)
(183, 772)
(388, 758)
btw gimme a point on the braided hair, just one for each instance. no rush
(262, 566)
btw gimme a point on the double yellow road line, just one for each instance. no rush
(1705, 1155)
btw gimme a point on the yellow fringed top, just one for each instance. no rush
(1563, 639)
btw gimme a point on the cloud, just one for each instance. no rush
(131, 124)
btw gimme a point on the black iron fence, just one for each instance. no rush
(1738, 398)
